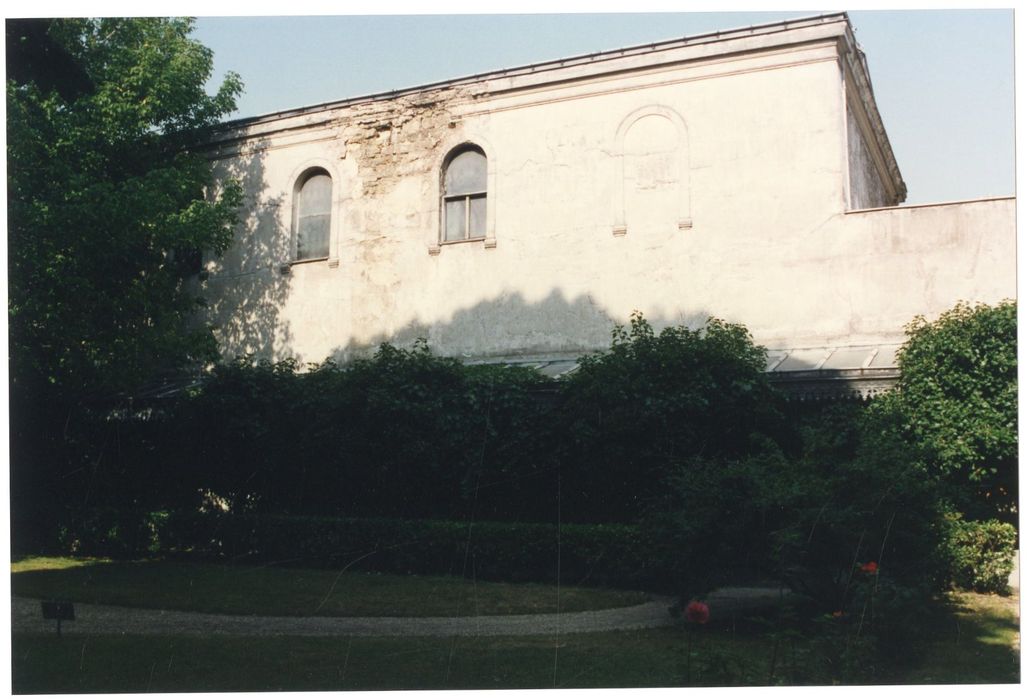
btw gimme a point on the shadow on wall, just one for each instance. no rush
(557, 328)
(245, 290)
(509, 326)
(248, 292)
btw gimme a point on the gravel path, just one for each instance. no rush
(109, 619)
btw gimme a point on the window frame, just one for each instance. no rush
(297, 213)
(464, 197)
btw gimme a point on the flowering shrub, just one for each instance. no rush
(865, 518)
(697, 612)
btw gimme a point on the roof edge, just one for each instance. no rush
(943, 203)
(555, 64)
(854, 62)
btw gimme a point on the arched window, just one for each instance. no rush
(313, 222)
(464, 195)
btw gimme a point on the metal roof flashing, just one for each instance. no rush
(857, 372)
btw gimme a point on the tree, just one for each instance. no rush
(655, 401)
(959, 396)
(105, 199)
(108, 204)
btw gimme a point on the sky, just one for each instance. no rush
(943, 78)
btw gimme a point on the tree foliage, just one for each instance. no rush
(403, 433)
(106, 199)
(655, 401)
(408, 434)
(108, 207)
(959, 395)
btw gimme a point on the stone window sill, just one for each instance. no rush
(437, 247)
(286, 267)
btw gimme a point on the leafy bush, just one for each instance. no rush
(113, 532)
(981, 554)
(677, 432)
(861, 498)
(406, 434)
(631, 416)
(712, 525)
(959, 395)
(402, 434)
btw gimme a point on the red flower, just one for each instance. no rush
(697, 612)
(869, 568)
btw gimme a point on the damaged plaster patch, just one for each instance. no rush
(393, 139)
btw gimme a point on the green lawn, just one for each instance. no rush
(244, 590)
(974, 639)
(122, 664)
(52, 563)
(978, 643)
(977, 650)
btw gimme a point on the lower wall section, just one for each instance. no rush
(856, 278)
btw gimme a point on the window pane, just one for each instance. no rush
(314, 217)
(312, 236)
(316, 196)
(477, 218)
(466, 174)
(455, 220)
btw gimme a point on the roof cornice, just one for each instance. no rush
(860, 96)
(599, 60)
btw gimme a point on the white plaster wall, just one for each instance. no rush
(762, 171)
(256, 307)
(866, 190)
(760, 178)
(889, 265)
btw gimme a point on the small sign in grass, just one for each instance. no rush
(59, 610)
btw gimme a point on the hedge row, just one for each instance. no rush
(676, 434)
(602, 555)
(979, 555)
(409, 435)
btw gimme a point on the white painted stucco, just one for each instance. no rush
(710, 176)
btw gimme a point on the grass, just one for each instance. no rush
(214, 588)
(743, 652)
(54, 563)
(650, 658)
(972, 639)
(978, 642)
(168, 664)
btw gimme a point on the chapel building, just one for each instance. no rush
(517, 216)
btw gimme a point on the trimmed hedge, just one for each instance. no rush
(404, 434)
(981, 554)
(602, 555)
